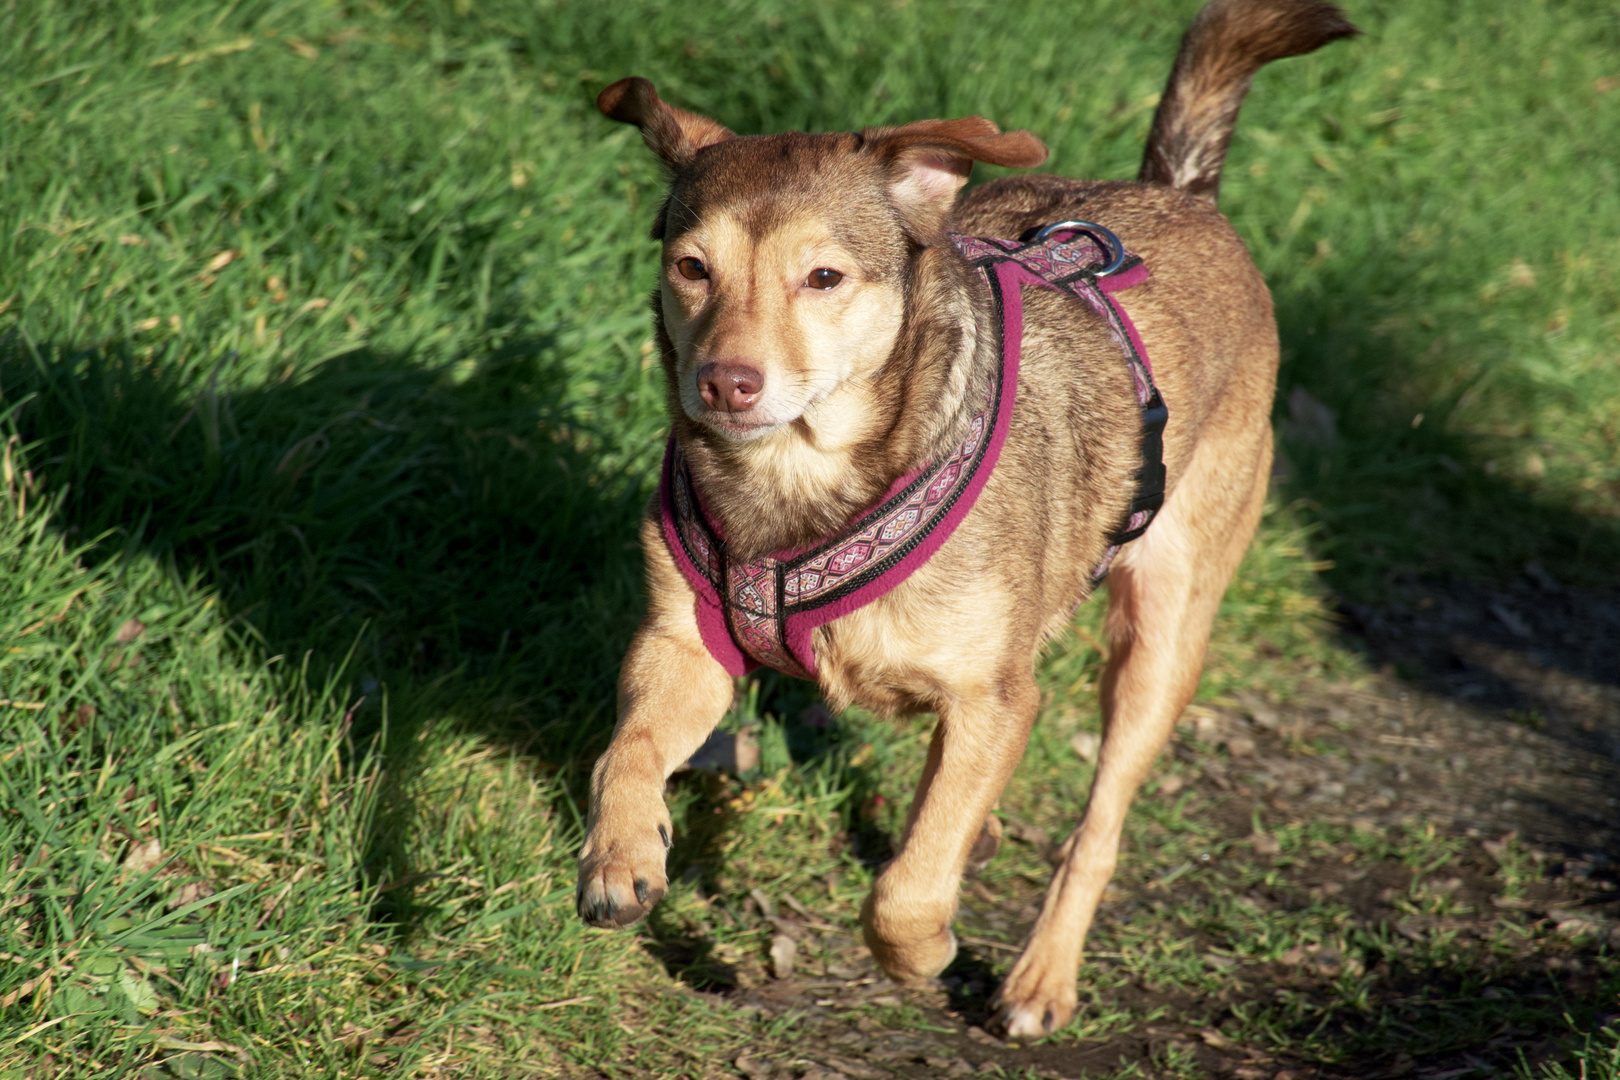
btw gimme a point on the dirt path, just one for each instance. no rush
(1494, 719)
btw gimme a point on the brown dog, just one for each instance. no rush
(822, 337)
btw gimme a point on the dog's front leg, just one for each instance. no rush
(976, 746)
(671, 695)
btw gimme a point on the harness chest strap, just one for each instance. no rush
(763, 612)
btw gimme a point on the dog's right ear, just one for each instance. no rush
(675, 135)
(930, 160)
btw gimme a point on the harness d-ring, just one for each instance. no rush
(1097, 232)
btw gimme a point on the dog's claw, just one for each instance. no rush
(599, 911)
(663, 834)
(598, 908)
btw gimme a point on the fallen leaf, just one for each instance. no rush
(766, 907)
(1240, 746)
(81, 716)
(190, 893)
(8, 1000)
(784, 950)
(144, 857)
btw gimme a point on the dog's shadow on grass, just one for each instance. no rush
(444, 538)
(441, 537)
(1446, 573)
(688, 952)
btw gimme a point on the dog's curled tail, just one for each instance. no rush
(1227, 43)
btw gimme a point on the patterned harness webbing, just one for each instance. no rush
(772, 605)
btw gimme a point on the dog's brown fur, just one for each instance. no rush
(875, 376)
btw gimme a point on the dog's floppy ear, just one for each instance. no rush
(675, 135)
(930, 160)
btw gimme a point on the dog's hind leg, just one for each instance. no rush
(980, 737)
(1163, 594)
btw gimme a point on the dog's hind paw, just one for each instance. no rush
(620, 882)
(1034, 1014)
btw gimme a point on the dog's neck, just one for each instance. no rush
(811, 478)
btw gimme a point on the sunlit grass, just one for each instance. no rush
(329, 412)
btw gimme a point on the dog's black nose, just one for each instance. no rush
(729, 387)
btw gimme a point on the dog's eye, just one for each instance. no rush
(692, 269)
(824, 278)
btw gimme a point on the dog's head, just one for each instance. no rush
(787, 258)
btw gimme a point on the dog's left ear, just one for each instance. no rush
(930, 160)
(675, 135)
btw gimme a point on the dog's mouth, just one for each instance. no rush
(739, 426)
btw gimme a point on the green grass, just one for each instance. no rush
(328, 415)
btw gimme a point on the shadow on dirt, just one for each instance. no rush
(1461, 582)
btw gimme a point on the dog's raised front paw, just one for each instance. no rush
(621, 879)
(908, 950)
(1032, 1004)
(913, 961)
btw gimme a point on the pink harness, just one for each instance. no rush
(763, 612)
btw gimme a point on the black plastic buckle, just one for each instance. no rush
(1150, 475)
